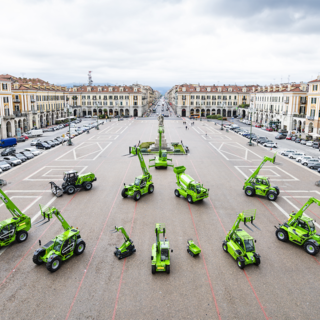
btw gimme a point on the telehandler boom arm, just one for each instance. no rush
(256, 172)
(11, 206)
(48, 215)
(160, 228)
(136, 151)
(121, 229)
(294, 217)
(161, 131)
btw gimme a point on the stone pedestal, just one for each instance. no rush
(163, 142)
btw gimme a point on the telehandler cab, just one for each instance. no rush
(259, 185)
(300, 229)
(15, 228)
(62, 247)
(160, 259)
(239, 243)
(142, 184)
(73, 182)
(127, 248)
(161, 161)
(188, 187)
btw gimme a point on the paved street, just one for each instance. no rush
(96, 285)
(162, 109)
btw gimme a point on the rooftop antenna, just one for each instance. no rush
(90, 81)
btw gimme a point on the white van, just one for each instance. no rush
(34, 133)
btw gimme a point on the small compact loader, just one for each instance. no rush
(142, 184)
(15, 228)
(300, 229)
(188, 187)
(192, 248)
(160, 259)
(73, 182)
(62, 247)
(239, 243)
(127, 248)
(260, 185)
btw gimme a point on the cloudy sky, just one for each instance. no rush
(161, 42)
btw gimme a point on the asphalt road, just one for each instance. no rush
(96, 285)
(162, 109)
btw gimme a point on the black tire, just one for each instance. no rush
(272, 196)
(177, 194)
(80, 247)
(240, 264)
(71, 190)
(311, 248)
(225, 247)
(249, 191)
(87, 186)
(137, 196)
(151, 188)
(291, 157)
(305, 164)
(257, 261)
(168, 269)
(189, 198)
(12, 165)
(282, 235)
(153, 269)
(36, 257)
(123, 193)
(299, 161)
(311, 167)
(22, 236)
(54, 265)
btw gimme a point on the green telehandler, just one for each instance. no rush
(300, 229)
(260, 185)
(73, 182)
(62, 247)
(127, 248)
(188, 187)
(239, 243)
(15, 228)
(160, 259)
(142, 184)
(161, 161)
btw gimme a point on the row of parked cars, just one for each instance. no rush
(61, 126)
(11, 158)
(305, 160)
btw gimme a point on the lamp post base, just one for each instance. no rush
(69, 143)
(97, 127)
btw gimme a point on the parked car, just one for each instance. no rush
(8, 151)
(42, 145)
(13, 161)
(287, 152)
(309, 143)
(280, 136)
(315, 144)
(4, 166)
(34, 151)
(264, 140)
(293, 138)
(288, 137)
(35, 141)
(258, 125)
(298, 140)
(20, 139)
(309, 162)
(269, 129)
(296, 155)
(270, 145)
(50, 143)
(27, 154)
(300, 159)
(58, 140)
(8, 142)
(20, 157)
(282, 131)
(315, 166)
(303, 142)
(25, 137)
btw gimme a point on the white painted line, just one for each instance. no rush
(195, 130)
(28, 197)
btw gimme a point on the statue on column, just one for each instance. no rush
(160, 119)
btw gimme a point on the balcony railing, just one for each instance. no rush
(302, 115)
(9, 117)
(303, 101)
(16, 100)
(284, 113)
(19, 114)
(33, 100)
(286, 101)
(34, 111)
(310, 117)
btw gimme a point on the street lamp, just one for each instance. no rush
(223, 103)
(68, 109)
(250, 112)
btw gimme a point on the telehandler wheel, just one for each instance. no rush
(71, 190)
(87, 186)
(240, 264)
(272, 196)
(311, 248)
(282, 235)
(249, 191)
(189, 198)
(168, 269)
(225, 247)
(79, 248)
(151, 188)
(36, 257)
(22, 236)
(177, 193)
(257, 261)
(137, 196)
(153, 269)
(123, 193)
(54, 264)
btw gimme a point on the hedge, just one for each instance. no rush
(145, 145)
(215, 116)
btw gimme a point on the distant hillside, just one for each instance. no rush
(162, 90)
